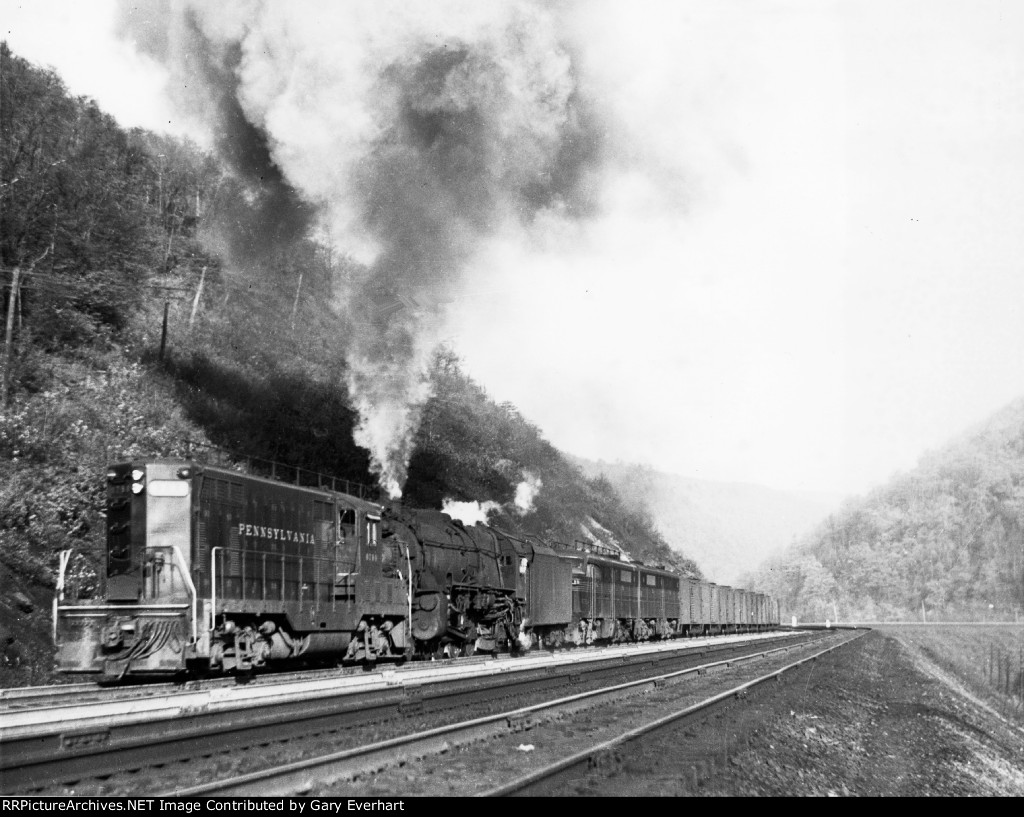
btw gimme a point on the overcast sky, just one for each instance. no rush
(835, 285)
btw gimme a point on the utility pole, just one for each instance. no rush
(195, 302)
(163, 333)
(160, 188)
(295, 306)
(5, 389)
(12, 301)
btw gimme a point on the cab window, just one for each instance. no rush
(346, 542)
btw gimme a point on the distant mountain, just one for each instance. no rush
(944, 541)
(727, 528)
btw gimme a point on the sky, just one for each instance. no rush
(808, 272)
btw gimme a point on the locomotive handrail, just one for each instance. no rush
(58, 596)
(639, 594)
(410, 639)
(186, 573)
(581, 546)
(86, 609)
(64, 557)
(323, 481)
(213, 586)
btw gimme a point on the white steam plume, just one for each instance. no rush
(526, 492)
(413, 131)
(472, 512)
(469, 513)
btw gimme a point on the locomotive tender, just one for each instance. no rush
(209, 569)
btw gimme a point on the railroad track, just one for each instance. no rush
(28, 697)
(76, 695)
(577, 766)
(70, 748)
(21, 699)
(328, 775)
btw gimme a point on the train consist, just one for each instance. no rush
(211, 570)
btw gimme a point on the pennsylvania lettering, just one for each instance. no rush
(276, 534)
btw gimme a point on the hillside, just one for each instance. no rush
(942, 542)
(162, 301)
(723, 527)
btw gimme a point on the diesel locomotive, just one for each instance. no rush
(213, 570)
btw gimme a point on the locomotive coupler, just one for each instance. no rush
(112, 637)
(115, 631)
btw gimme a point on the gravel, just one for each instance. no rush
(876, 718)
(879, 719)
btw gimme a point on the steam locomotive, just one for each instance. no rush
(212, 570)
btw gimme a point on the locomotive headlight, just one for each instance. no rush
(137, 487)
(138, 474)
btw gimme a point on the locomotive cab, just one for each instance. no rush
(148, 620)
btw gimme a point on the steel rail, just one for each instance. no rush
(70, 704)
(48, 747)
(300, 777)
(85, 694)
(585, 756)
(43, 692)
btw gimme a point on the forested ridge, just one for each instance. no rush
(104, 231)
(942, 542)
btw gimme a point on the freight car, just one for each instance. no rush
(208, 569)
